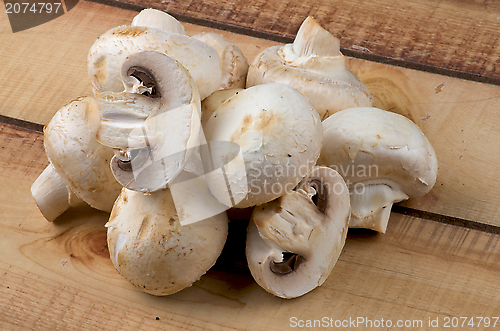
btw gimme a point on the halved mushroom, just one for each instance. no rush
(109, 51)
(154, 18)
(294, 242)
(314, 66)
(234, 65)
(279, 135)
(153, 251)
(154, 123)
(78, 163)
(384, 158)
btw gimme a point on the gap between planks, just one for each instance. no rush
(403, 210)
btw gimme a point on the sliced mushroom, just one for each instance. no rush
(78, 163)
(384, 158)
(279, 135)
(294, 242)
(153, 251)
(154, 123)
(234, 65)
(154, 18)
(109, 51)
(314, 66)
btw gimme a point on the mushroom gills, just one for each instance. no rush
(153, 124)
(112, 48)
(290, 263)
(293, 243)
(371, 207)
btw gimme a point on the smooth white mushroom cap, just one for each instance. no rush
(279, 135)
(234, 65)
(295, 241)
(109, 51)
(155, 123)
(384, 157)
(153, 251)
(81, 162)
(314, 66)
(154, 18)
(210, 104)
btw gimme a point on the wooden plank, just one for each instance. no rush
(59, 276)
(460, 117)
(462, 36)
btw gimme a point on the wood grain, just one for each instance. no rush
(58, 276)
(460, 36)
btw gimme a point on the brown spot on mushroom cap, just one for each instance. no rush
(266, 119)
(132, 31)
(265, 122)
(247, 120)
(245, 125)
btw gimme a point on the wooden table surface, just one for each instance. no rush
(436, 63)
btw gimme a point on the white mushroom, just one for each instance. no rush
(155, 122)
(314, 66)
(109, 51)
(78, 163)
(234, 65)
(295, 241)
(154, 18)
(153, 251)
(213, 101)
(279, 135)
(384, 158)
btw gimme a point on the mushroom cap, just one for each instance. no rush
(109, 51)
(294, 242)
(314, 66)
(374, 146)
(234, 65)
(162, 127)
(210, 104)
(153, 251)
(83, 164)
(158, 19)
(279, 135)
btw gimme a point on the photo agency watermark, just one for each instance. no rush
(27, 14)
(429, 323)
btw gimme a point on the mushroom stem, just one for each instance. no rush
(153, 18)
(51, 194)
(371, 207)
(313, 40)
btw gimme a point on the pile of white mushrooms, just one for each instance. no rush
(180, 129)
